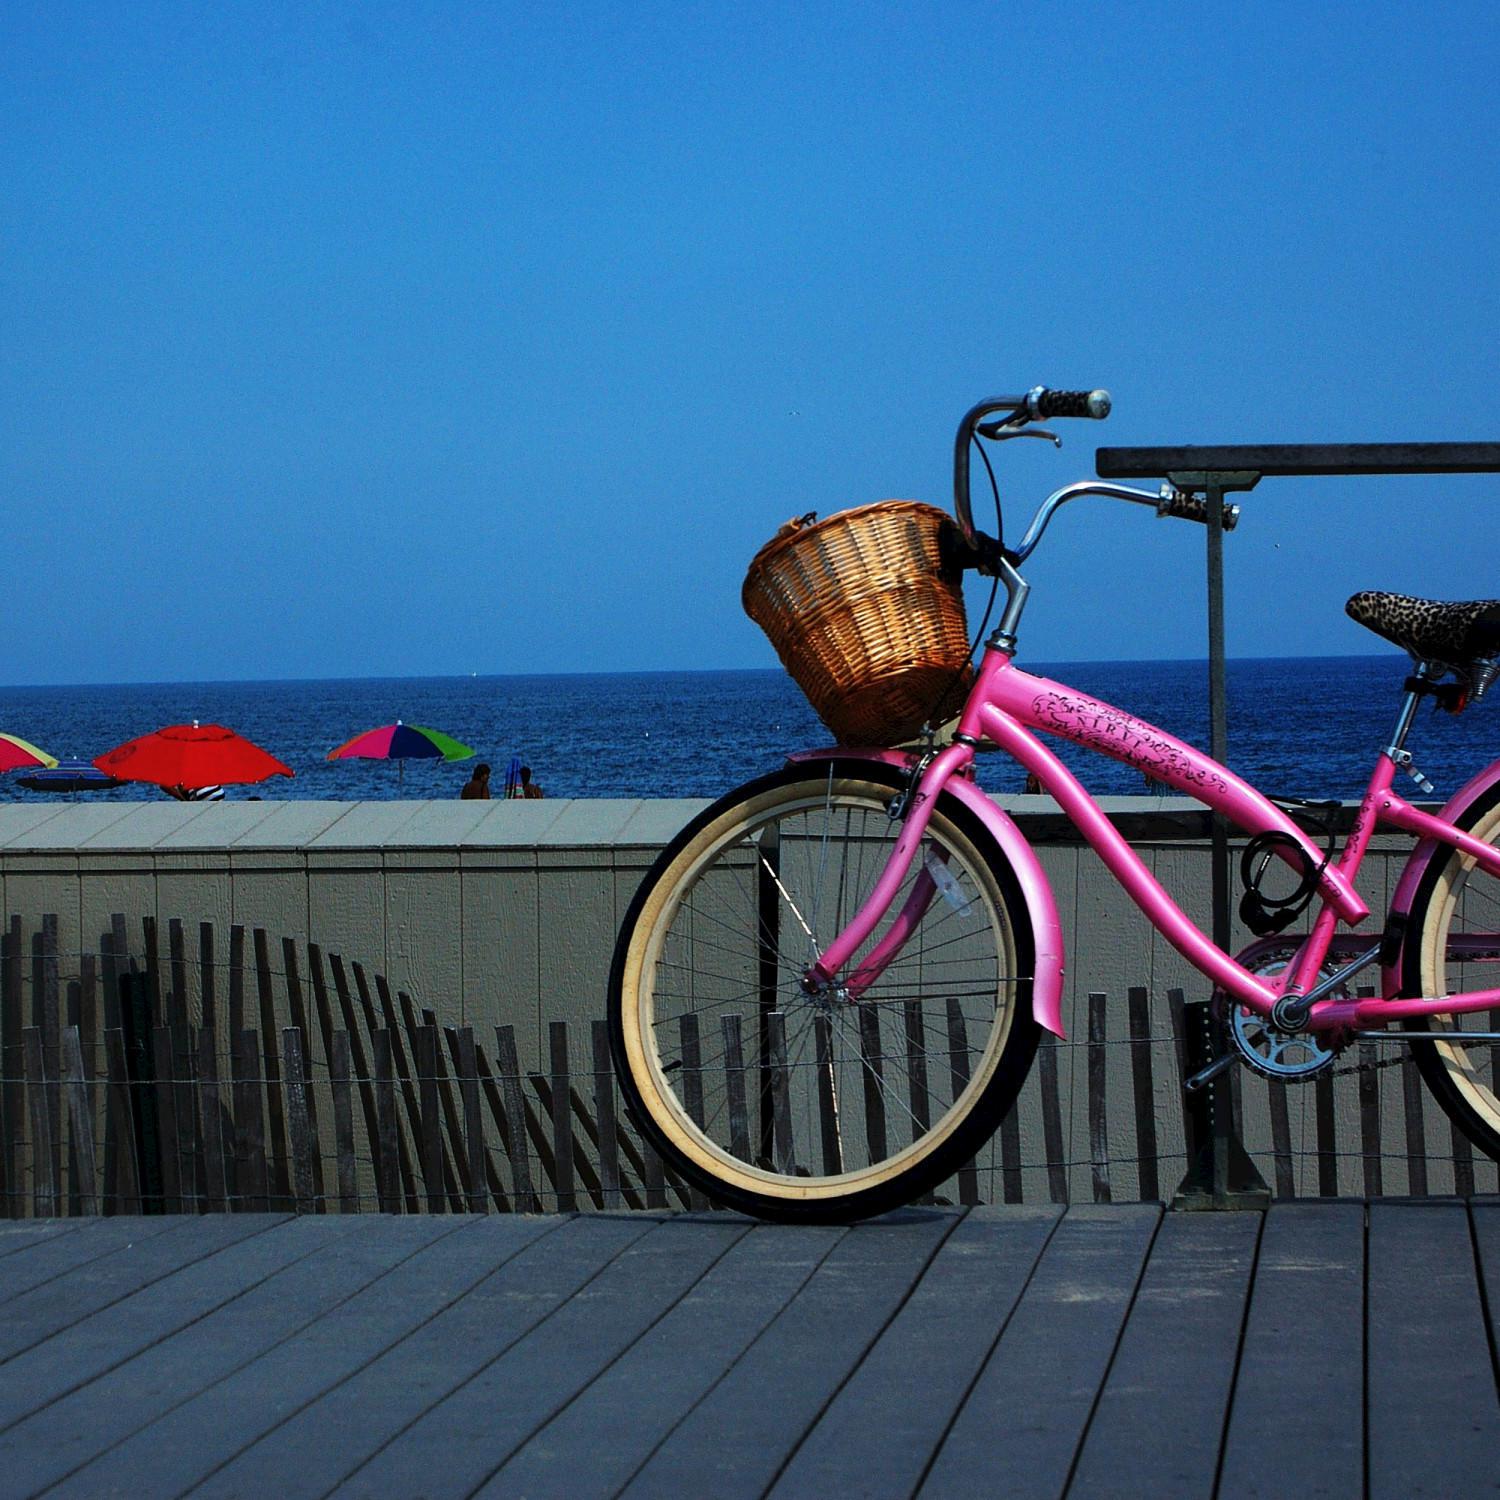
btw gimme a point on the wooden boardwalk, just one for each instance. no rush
(1332, 1348)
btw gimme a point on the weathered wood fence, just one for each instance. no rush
(203, 1076)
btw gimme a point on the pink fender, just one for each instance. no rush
(1421, 857)
(1036, 891)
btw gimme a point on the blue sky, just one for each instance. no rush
(346, 340)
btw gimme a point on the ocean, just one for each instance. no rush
(1299, 727)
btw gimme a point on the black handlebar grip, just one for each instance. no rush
(1195, 508)
(1071, 404)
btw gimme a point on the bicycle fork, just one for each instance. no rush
(915, 813)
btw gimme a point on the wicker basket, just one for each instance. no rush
(866, 618)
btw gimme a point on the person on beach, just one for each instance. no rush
(528, 788)
(195, 793)
(477, 787)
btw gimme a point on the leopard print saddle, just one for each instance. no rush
(1454, 634)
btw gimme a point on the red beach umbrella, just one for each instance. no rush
(17, 754)
(191, 756)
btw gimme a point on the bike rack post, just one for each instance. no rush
(1219, 1173)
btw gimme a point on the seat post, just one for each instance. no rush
(1409, 702)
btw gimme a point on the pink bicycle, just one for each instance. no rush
(828, 990)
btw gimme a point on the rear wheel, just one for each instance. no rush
(1453, 946)
(821, 1107)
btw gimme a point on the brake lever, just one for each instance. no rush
(998, 432)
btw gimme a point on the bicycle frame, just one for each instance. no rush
(1005, 705)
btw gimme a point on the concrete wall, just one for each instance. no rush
(507, 912)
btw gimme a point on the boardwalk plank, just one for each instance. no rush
(38, 1258)
(736, 1440)
(149, 1402)
(213, 1443)
(1028, 1409)
(458, 1443)
(937, 1343)
(52, 1443)
(127, 1303)
(1427, 1334)
(594, 1445)
(538, 1264)
(57, 1304)
(1158, 1425)
(1297, 1424)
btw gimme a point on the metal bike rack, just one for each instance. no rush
(1213, 472)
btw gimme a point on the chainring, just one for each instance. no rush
(1291, 1057)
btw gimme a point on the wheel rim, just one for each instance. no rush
(1457, 957)
(796, 1096)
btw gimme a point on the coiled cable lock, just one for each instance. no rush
(1263, 914)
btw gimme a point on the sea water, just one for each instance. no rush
(1297, 726)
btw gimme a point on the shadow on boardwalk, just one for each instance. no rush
(1330, 1348)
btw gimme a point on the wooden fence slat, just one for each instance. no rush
(356, 1048)
(113, 958)
(916, 1068)
(236, 979)
(43, 1178)
(424, 1046)
(252, 1180)
(403, 1155)
(343, 1121)
(458, 1190)
(1463, 1162)
(781, 1108)
(1416, 1134)
(166, 1119)
(297, 1009)
(490, 1091)
(1011, 1185)
(80, 1124)
(208, 995)
(153, 971)
(1098, 1063)
(562, 1117)
(184, 1097)
(958, 1080)
(276, 1139)
(1143, 1090)
(690, 1042)
(1328, 1162)
(126, 1182)
(141, 1118)
(215, 1176)
(87, 1021)
(653, 1177)
(604, 1111)
(387, 1170)
(45, 1002)
(872, 1077)
(1281, 1138)
(736, 1095)
(508, 1067)
(299, 1125)
(405, 1073)
(830, 1135)
(468, 1088)
(583, 1167)
(177, 957)
(12, 1067)
(1052, 1135)
(1369, 1124)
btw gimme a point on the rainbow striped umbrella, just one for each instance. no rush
(17, 754)
(401, 742)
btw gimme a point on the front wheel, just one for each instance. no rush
(821, 1107)
(1453, 946)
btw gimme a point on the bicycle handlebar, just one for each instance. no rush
(986, 552)
(1044, 403)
